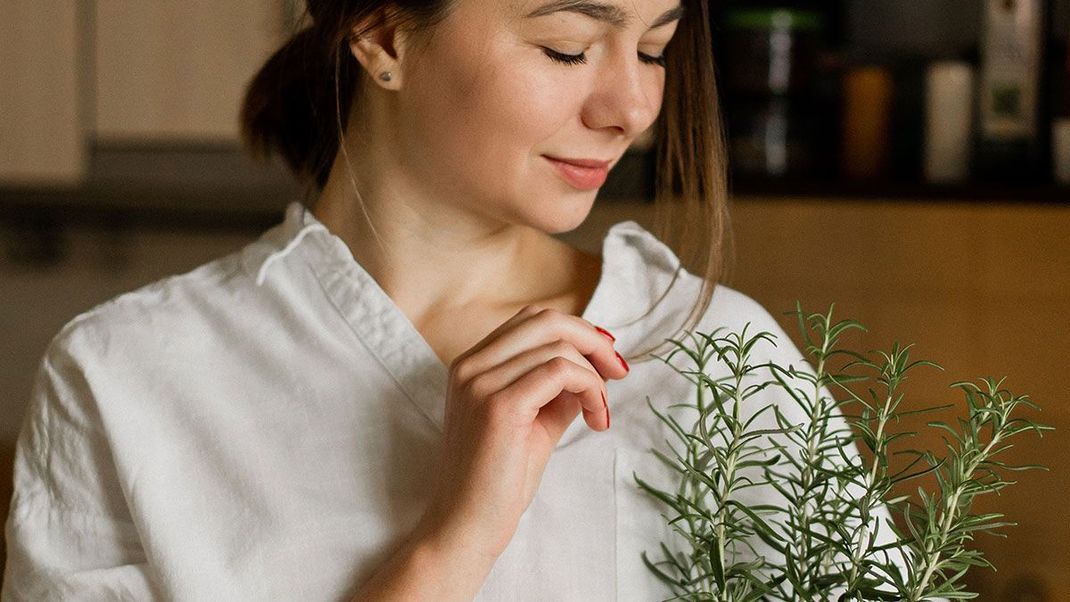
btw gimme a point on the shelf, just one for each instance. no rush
(216, 187)
(905, 191)
(163, 186)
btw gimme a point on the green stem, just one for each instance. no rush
(861, 549)
(730, 465)
(807, 476)
(932, 550)
(692, 452)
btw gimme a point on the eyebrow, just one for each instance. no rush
(608, 13)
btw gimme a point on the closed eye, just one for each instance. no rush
(576, 59)
(652, 60)
(565, 59)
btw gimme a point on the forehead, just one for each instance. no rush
(476, 22)
(619, 14)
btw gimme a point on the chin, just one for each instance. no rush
(562, 214)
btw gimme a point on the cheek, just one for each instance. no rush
(481, 109)
(492, 97)
(521, 105)
(654, 88)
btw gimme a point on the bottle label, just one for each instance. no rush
(1011, 69)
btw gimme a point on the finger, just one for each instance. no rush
(545, 326)
(501, 377)
(526, 397)
(524, 312)
(509, 371)
(559, 413)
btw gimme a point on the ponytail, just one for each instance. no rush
(291, 107)
(298, 104)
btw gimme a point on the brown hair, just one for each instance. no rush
(297, 105)
(299, 101)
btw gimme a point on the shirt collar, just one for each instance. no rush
(637, 271)
(644, 292)
(280, 241)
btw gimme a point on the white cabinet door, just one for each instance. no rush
(41, 120)
(176, 70)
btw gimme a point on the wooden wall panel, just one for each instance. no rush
(177, 70)
(41, 130)
(982, 289)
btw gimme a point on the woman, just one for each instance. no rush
(365, 402)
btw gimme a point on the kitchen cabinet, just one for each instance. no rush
(42, 130)
(76, 76)
(177, 71)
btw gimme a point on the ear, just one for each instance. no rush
(379, 45)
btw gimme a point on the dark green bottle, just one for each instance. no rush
(1010, 128)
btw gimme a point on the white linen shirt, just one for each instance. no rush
(263, 428)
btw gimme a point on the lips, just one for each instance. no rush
(585, 174)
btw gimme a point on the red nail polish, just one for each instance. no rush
(605, 332)
(622, 362)
(606, 406)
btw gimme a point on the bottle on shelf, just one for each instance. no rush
(949, 93)
(1009, 137)
(778, 74)
(868, 92)
(770, 58)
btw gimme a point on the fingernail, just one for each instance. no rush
(605, 332)
(606, 406)
(622, 362)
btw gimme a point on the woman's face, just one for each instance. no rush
(504, 87)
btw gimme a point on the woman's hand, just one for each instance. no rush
(510, 398)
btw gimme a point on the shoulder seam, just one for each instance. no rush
(133, 296)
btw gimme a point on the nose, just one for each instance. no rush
(626, 97)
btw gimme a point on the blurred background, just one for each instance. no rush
(908, 160)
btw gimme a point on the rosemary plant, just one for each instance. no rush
(773, 501)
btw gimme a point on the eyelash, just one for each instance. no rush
(576, 59)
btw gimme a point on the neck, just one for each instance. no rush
(434, 256)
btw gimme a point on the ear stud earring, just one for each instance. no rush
(386, 76)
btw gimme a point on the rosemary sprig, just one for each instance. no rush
(942, 524)
(722, 458)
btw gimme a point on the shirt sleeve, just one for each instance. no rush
(70, 534)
